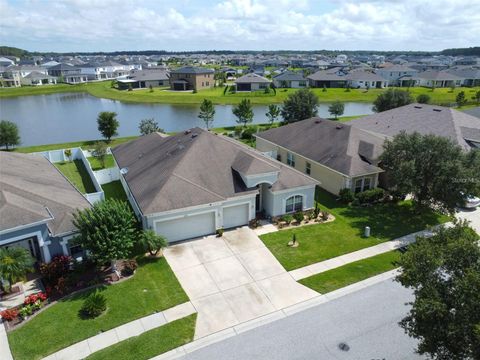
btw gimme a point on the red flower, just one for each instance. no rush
(9, 314)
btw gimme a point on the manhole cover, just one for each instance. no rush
(343, 346)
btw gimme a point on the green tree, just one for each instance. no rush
(100, 152)
(108, 124)
(152, 242)
(391, 99)
(301, 105)
(273, 113)
(476, 97)
(15, 262)
(148, 126)
(207, 112)
(423, 99)
(68, 154)
(9, 134)
(444, 273)
(244, 112)
(461, 99)
(107, 230)
(336, 108)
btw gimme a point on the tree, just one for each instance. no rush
(107, 230)
(244, 112)
(300, 105)
(273, 113)
(152, 242)
(15, 262)
(68, 154)
(444, 273)
(476, 97)
(423, 99)
(148, 126)
(9, 134)
(391, 99)
(431, 168)
(100, 152)
(108, 124)
(336, 108)
(207, 112)
(461, 98)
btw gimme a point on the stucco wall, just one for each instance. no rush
(274, 203)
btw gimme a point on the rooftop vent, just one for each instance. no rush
(124, 171)
(437, 110)
(194, 135)
(338, 127)
(343, 346)
(417, 107)
(187, 132)
(318, 121)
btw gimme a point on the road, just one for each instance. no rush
(473, 216)
(367, 321)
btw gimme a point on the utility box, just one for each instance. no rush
(367, 231)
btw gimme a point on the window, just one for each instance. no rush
(302, 83)
(76, 251)
(308, 168)
(294, 204)
(208, 83)
(279, 157)
(366, 184)
(358, 185)
(290, 159)
(203, 84)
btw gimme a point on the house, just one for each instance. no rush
(331, 78)
(36, 206)
(470, 76)
(195, 182)
(192, 78)
(68, 73)
(337, 155)
(361, 79)
(398, 75)
(102, 70)
(144, 79)
(37, 78)
(6, 61)
(290, 79)
(438, 79)
(252, 82)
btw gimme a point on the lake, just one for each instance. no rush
(65, 117)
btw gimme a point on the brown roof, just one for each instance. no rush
(330, 143)
(33, 190)
(193, 168)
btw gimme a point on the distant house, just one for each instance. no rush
(398, 75)
(192, 78)
(102, 70)
(6, 61)
(144, 79)
(361, 79)
(439, 79)
(469, 76)
(70, 74)
(290, 79)
(37, 78)
(331, 78)
(251, 82)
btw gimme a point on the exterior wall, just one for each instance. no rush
(364, 84)
(195, 81)
(254, 180)
(294, 84)
(439, 83)
(373, 182)
(391, 76)
(274, 202)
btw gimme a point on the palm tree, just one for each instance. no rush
(152, 242)
(15, 262)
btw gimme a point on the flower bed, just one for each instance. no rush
(31, 305)
(300, 218)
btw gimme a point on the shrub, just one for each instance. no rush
(238, 130)
(298, 216)
(370, 196)
(220, 232)
(346, 195)
(9, 314)
(57, 268)
(129, 267)
(94, 305)
(26, 310)
(247, 134)
(324, 215)
(423, 99)
(194, 91)
(33, 298)
(287, 218)
(254, 223)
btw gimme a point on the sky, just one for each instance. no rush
(189, 25)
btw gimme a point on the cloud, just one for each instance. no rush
(239, 24)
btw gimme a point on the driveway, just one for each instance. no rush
(471, 215)
(232, 279)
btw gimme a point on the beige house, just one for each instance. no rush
(337, 155)
(192, 78)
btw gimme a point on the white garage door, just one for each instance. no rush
(235, 216)
(187, 227)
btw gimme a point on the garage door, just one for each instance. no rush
(235, 216)
(187, 227)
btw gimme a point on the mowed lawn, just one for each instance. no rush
(352, 273)
(114, 190)
(151, 343)
(153, 288)
(77, 174)
(97, 165)
(344, 235)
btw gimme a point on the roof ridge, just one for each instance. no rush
(197, 185)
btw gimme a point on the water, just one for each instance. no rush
(58, 118)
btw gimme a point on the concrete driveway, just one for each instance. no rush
(232, 279)
(471, 215)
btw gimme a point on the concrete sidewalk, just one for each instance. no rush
(338, 261)
(5, 353)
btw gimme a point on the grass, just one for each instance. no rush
(104, 90)
(151, 343)
(352, 273)
(324, 241)
(96, 165)
(77, 174)
(114, 190)
(84, 144)
(153, 288)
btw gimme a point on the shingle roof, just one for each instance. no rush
(437, 75)
(192, 70)
(289, 76)
(330, 143)
(327, 75)
(251, 78)
(424, 119)
(32, 190)
(143, 75)
(194, 168)
(363, 75)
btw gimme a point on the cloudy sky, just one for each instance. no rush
(108, 25)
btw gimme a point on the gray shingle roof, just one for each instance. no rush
(194, 168)
(192, 70)
(251, 78)
(289, 76)
(437, 75)
(29, 185)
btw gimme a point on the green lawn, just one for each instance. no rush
(104, 90)
(352, 273)
(153, 288)
(324, 241)
(151, 343)
(85, 144)
(77, 174)
(114, 190)
(96, 165)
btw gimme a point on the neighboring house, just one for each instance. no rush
(438, 79)
(50, 64)
(70, 74)
(290, 79)
(144, 79)
(6, 61)
(192, 78)
(195, 182)
(331, 78)
(361, 79)
(24, 70)
(9, 79)
(251, 82)
(337, 155)
(398, 75)
(470, 76)
(103, 70)
(37, 78)
(36, 206)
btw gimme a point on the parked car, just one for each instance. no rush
(471, 202)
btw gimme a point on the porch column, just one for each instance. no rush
(46, 253)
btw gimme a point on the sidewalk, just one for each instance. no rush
(322, 266)
(5, 353)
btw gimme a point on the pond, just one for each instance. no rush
(65, 117)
